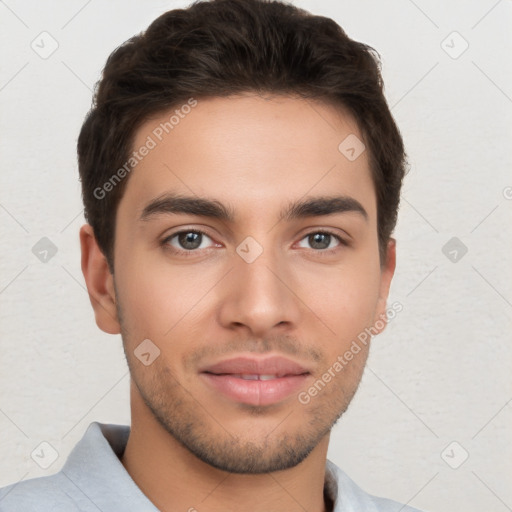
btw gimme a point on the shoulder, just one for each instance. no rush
(53, 493)
(350, 497)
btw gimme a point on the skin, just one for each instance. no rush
(190, 447)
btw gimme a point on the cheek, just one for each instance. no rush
(345, 299)
(159, 298)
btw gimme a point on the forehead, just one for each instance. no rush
(250, 152)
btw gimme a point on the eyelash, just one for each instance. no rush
(189, 253)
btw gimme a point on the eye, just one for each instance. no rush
(187, 241)
(322, 240)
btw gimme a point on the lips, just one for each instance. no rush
(275, 365)
(255, 381)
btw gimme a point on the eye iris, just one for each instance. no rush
(320, 240)
(190, 240)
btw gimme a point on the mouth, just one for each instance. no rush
(255, 381)
(253, 376)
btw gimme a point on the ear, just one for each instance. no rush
(99, 281)
(387, 271)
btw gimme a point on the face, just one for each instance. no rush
(249, 300)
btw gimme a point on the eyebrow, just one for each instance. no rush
(309, 207)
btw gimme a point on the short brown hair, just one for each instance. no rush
(219, 48)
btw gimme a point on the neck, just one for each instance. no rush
(176, 480)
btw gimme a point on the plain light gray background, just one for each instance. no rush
(438, 382)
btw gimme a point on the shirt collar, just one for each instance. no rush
(95, 468)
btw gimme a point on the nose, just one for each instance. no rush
(260, 295)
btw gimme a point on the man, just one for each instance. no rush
(241, 174)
